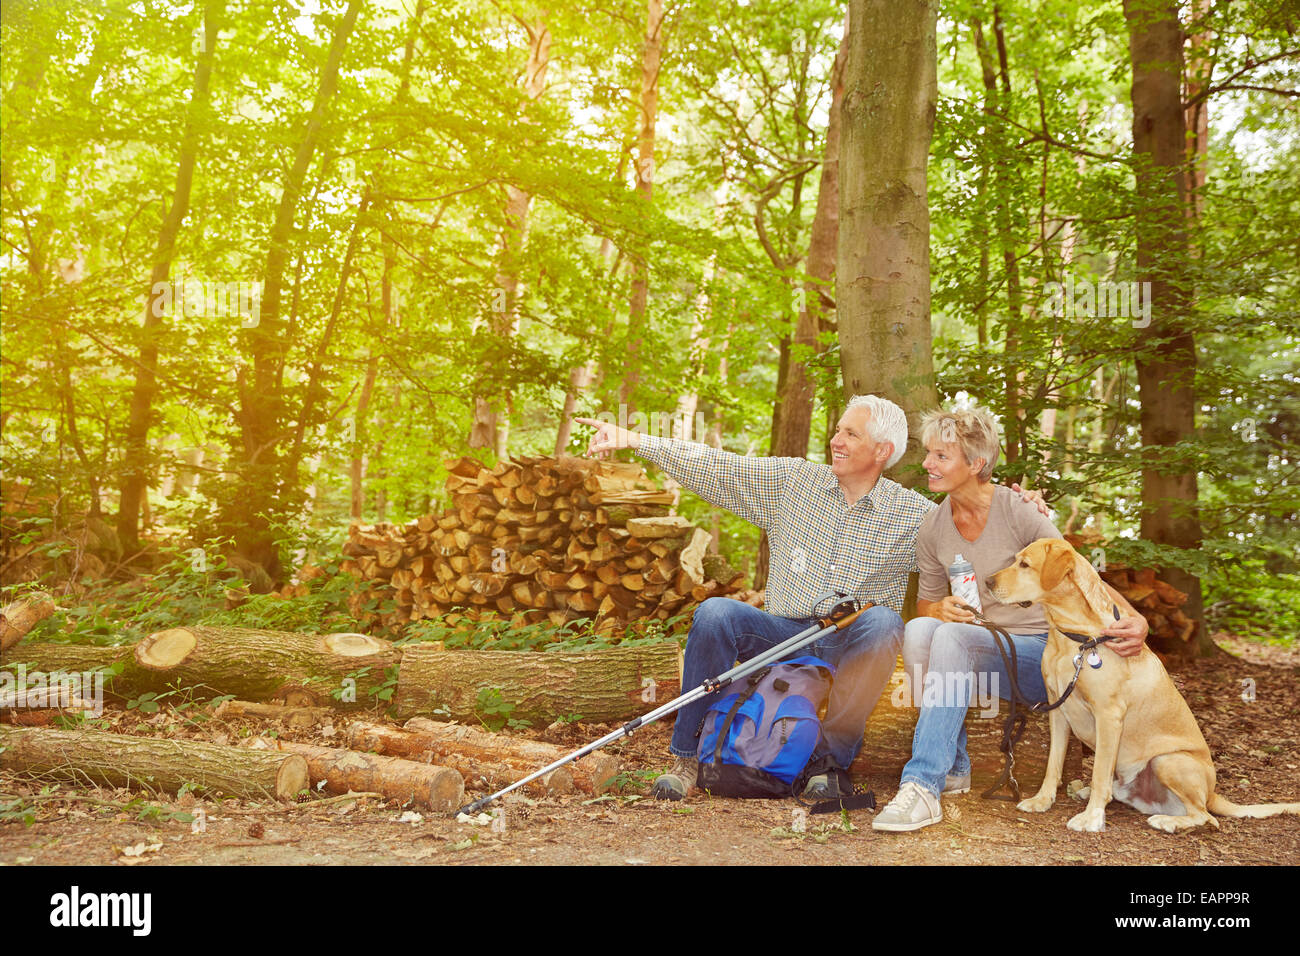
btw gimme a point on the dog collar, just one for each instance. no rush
(1090, 642)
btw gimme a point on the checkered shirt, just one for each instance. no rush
(816, 541)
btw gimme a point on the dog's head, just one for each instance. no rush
(1051, 573)
(1039, 570)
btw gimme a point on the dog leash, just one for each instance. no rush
(1013, 728)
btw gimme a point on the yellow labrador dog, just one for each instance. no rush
(1150, 753)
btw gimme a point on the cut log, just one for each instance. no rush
(435, 788)
(593, 773)
(116, 760)
(668, 526)
(82, 660)
(692, 558)
(614, 683)
(484, 766)
(254, 664)
(19, 617)
(294, 716)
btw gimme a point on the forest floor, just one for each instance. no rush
(1255, 742)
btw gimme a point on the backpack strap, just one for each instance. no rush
(725, 730)
(848, 797)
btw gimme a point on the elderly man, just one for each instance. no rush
(839, 527)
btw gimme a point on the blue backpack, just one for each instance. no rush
(757, 741)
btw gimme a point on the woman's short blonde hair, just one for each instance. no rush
(974, 430)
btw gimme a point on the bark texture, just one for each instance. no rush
(615, 683)
(1166, 364)
(116, 760)
(883, 262)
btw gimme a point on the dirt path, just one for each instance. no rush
(1256, 743)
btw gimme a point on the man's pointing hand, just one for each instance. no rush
(608, 438)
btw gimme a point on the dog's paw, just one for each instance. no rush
(1077, 791)
(1092, 820)
(1172, 824)
(1037, 804)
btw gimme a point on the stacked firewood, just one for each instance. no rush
(545, 539)
(1158, 601)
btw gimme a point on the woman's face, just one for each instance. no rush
(947, 468)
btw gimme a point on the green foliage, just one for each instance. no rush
(494, 711)
(1031, 166)
(507, 635)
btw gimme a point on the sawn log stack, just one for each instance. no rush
(545, 539)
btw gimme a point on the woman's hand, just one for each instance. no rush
(1131, 634)
(950, 609)
(608, 438)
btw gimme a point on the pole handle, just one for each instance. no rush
(844, 615)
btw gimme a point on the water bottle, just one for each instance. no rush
(962, 582)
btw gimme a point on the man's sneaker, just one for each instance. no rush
(956, 784)
(821, 787)
(677, 782)
(914, 807)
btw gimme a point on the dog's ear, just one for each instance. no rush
(1058, 563)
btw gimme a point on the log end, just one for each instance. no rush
(292, 778)
(354, 645)
(163, 650)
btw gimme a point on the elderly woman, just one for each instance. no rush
(945, 655)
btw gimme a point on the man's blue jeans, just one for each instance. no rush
(863, 655)
(944, 663)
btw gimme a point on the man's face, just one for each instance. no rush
(854, 454)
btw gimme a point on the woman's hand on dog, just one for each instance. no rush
(1130, 633)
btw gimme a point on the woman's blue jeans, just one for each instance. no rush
(947, 665)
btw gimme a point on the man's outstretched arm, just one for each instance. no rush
(749, 487)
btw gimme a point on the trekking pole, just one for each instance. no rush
(842, 615)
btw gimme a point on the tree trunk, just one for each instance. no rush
(163, 765)
(19, 617)
(792, 416)
(883, 275)
(1004, 189)
(491, 428)
(1166, 362)
(136, 466)
(309, 415)
(262, 412)
(440, 789)
(356, 466)
(615, 683)
(651, 54)
(795, 392)
(584, 376)
(255, 664)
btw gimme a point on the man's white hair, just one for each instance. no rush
(888, 423)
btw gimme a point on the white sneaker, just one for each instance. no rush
(956, 784)
(914, 807)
